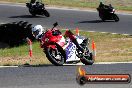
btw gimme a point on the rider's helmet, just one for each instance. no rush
(32, 1)
(101, 5)
(37, 31)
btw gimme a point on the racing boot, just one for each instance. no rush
(72, 37)
(78, 46)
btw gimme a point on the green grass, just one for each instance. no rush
(118, 4)
(109, 48)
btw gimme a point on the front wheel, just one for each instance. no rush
(46, 13)
(116, 18)
(55, 56)
(88, 58)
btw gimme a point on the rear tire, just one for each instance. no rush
(87, 60)
(31, 12)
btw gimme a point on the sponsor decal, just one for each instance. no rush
(83, 78)
(70, 50)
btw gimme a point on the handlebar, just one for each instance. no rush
(54, 25)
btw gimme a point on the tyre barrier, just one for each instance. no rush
(15, 33)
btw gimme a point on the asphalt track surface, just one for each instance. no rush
(49, 76)
(71, 19)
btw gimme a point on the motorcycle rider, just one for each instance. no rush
(101, 5)
(32, 1)
(105, 7)
(38, 32)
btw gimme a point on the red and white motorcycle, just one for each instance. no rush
(60, 50)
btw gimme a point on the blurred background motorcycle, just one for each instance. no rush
(107, 12)
(36, 7)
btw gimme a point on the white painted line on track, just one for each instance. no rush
(78, 64)
(91, 31)
(11, 4)
(114, 33)
(2, 23)
(126, 34)
(113, 63)
(99, 63)
(8, 66)
(104, 32)
(74, 64)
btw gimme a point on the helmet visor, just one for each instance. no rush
(35, 33)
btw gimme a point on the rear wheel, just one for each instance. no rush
(31, 12)
(55, 56)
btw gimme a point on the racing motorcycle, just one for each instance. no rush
(60, 50)
(107, 12)
(37, 8)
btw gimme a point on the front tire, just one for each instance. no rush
(53, 58)
(46, 13)
(116, 18)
